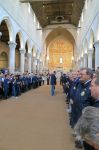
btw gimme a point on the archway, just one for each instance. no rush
(60, 50)
(32, 61)
(26, 58)
(86, 52)
(17, 53)
(97, 31)
(4, 48)
(93, 48)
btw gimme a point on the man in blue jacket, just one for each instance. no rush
(53, 83)
(95, 94)
(95, 91)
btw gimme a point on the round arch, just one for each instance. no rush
(97, 33)
(91, 39)
(91, 45)
(60, 35)
(33, 51)
(17, 52)
(82, 51)
(37, 54)
(28, 45)
(9, 26)
(19, 33)
(85, 46)
(59, 31)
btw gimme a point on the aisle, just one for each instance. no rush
(35, 121)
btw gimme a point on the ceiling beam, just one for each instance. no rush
(48, 2)
(27, 1)
(58, 3)
(64, 15)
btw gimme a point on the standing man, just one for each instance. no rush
(53, 83)
(83, 126)
(95, 91)
(83, 99)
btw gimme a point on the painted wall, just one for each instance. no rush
(60, 54)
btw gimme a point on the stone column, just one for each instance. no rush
(96, 45)
(29, 62)
(32, 64)
(22, 60)
(81, 62)
(12, 47)
(41, 67)
(76, 64)
(90, 52)
(38, 65)
(0, 35)
(85, 60)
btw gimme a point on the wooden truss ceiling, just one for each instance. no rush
(51, 12)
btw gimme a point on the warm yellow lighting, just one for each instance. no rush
(61, 60)
(47, 58)
(72, 58)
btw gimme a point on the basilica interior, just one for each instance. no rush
(49, 74)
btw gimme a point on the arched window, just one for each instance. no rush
(3, 60)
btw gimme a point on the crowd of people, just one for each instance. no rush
(82, 96)
(16, 84)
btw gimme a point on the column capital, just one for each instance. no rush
(96, 43)
(34, 57)
(78, 60)
(81, 58)
(90, 51)
(38, 59)
(22, 51)
(85, 54)
(12, 44)
(29, 55)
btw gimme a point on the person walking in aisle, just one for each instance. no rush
(53, 83)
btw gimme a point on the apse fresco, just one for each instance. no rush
(60, 49)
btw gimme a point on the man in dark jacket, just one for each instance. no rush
(53, 83)
(95, 91)
(95, 94)
(83, 98)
